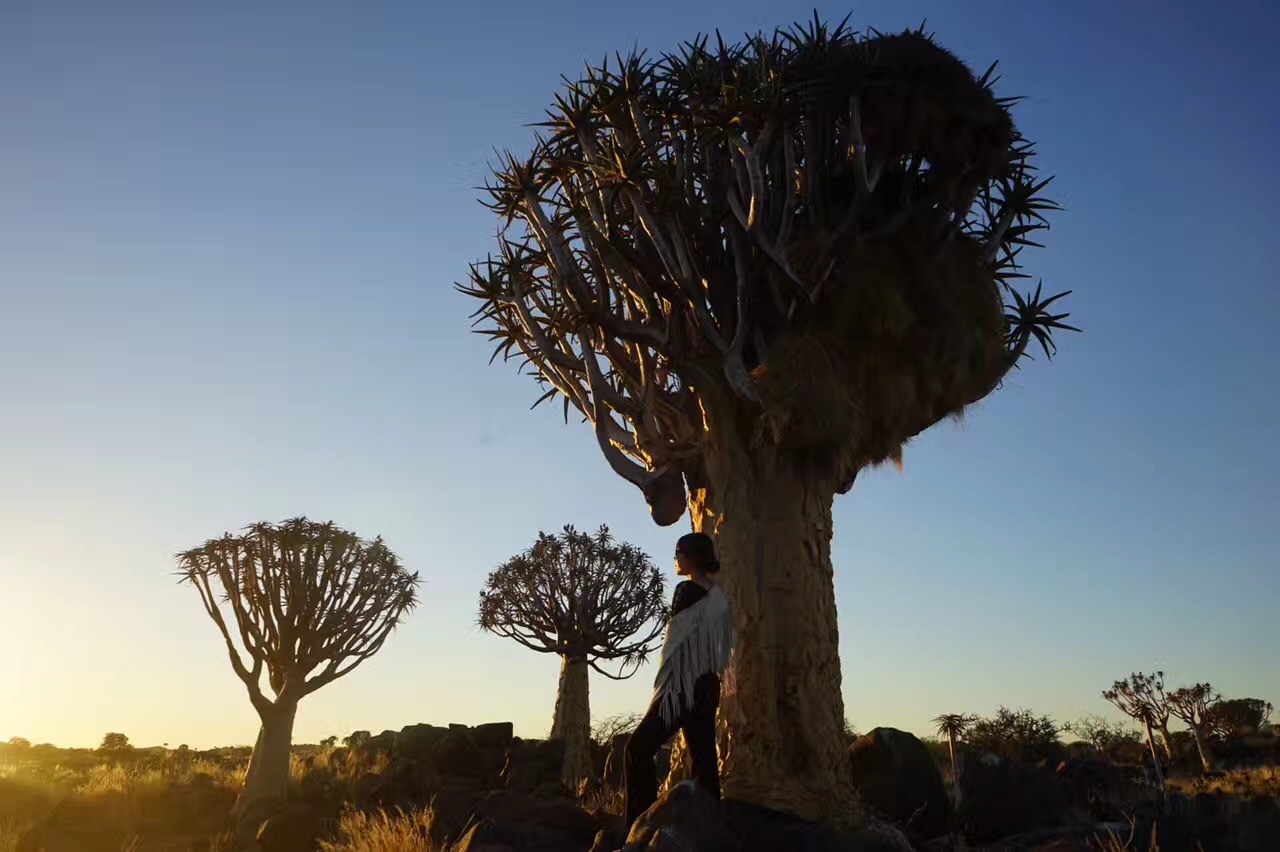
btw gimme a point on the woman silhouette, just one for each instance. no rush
(686, 691)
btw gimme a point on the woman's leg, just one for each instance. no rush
(641, 776)
(699, 727)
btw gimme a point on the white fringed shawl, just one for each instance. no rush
(699, 641)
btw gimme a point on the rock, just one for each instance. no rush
(494, 735)
(615, 762)
(531, 764)
(417, 741)
(448, 814)
(563, 817)
(609, 840)
(405, 784)
(759, 829)
(520, 823)
(456, 755)
(490, 836)
(297, 829)
(895, 774)
(1096, 787)
(999, 798)
(686, 818)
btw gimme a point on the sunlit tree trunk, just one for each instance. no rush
(267, 778)
(955, 775)
(785, 722)
(1166, 741)
(1206, 757)
(572, 722)
(1155, 757)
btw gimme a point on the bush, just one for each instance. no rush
(1017, 735)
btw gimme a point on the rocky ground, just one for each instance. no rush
(468, 789)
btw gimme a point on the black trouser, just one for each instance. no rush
(698, 723)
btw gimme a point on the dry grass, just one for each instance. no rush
(129, 801)
(381, 831)
(1256, 781)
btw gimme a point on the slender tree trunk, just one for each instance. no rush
(955, 775)
(1206, 757)
(1155, 757)
(572, 722)
(1166, 741)
(268, 775)
(785, 723)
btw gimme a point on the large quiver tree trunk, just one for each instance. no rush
(572, 721)
(266, 782)
(783, 711)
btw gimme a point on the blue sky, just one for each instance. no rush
(228, 236)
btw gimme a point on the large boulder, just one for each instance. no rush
(615, 762)
(494, 735)
(532, 765)
(759, 829)
(490, 836)
(895, 774)
(521, 823)
(1000, 798)
(686, 818)
(448, 814)
(457, 755)
(417, 741)
(296, 829)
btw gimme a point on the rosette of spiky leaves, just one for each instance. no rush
(579, 595)
(706, 221)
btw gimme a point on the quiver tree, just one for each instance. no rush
(594, 601)
(1194, 706)
(952, 726)
(1142, 697)
(757, 269)
(302, 603)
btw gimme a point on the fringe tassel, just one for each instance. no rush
(697, 645)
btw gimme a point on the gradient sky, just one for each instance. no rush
(228, 237)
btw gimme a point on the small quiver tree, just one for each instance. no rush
(588, 598)
(301, 603)
(1194, 706)
(952, 726)
(757, 269)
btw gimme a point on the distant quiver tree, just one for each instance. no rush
(590, 599)
(1194, 706)
(301, 603)
(757, 269)
(1142, 697)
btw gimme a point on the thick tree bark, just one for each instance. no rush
(771, 519)
(268, 775)
(572, 721)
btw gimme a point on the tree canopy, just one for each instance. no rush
(815, 225)
(580, 595)
(307, 601)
